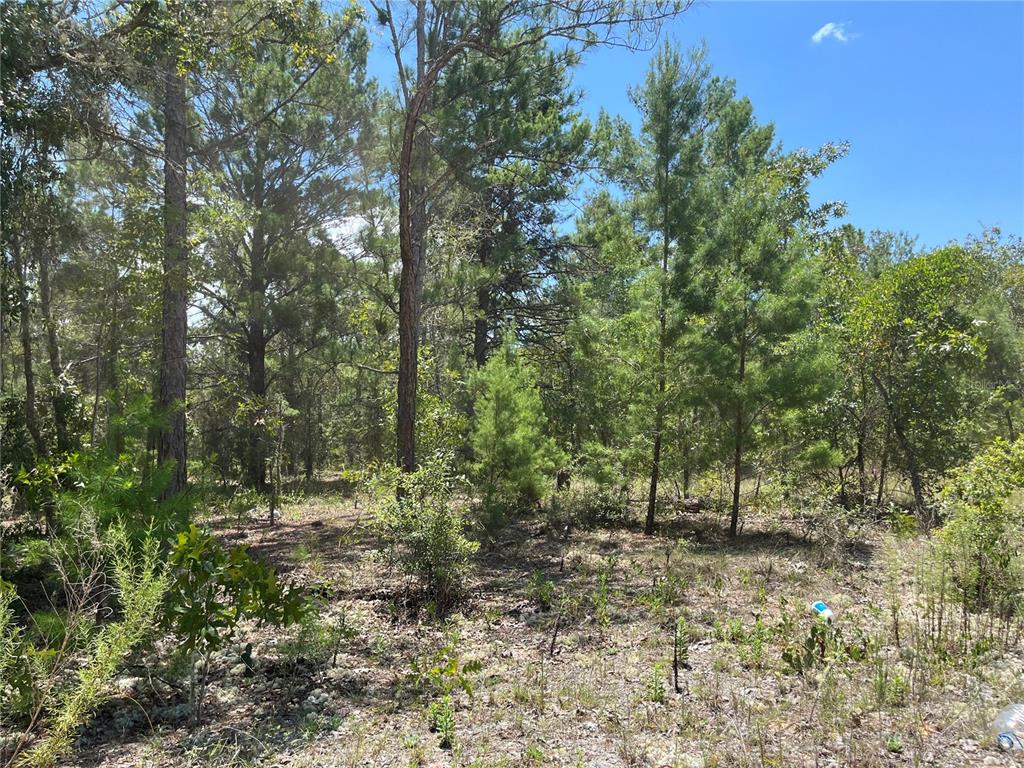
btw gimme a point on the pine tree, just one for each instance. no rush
(749, 293)
(513, 455)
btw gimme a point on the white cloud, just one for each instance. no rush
(832, 29)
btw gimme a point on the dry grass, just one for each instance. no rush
(600, 691)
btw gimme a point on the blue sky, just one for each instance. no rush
(930, 97)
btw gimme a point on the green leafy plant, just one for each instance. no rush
(541, 591)
(319, 637)
(441, 720)
(600, 597)
(211, 590)
(423, 532)
(654, 689)
(441, 674)
(824, 644)
(982, 541)
(62, 705)
(443, 671)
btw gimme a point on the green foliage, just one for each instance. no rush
(441, 719)
(212, 589)
(541, 590)
(18, 450)
(117, 491)
(805, 656)
(443, 671)
(49, 629)
(141, 582)
(440, 675)
(915, 334)
(600, 596)
(823, 645)
(592, 507)
(319, 637)
(983, 541)
(15, 667)
(32, 553)
(654, 688)
(423, 531)
(513, 458)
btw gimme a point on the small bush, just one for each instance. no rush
(441, 720)
(212, 589)
(63, 697)
(423, 532)
(654, 690)
(541, 591)
(981, 544)
(441, 675)
(601, 507)
(319, 638)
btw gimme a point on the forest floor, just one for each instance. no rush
(600, 692)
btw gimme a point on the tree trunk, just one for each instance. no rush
(881, 471)
(913, 469)
(24, 316)
(412, 225)
(171, 446)
(737, 459)
(255, 458)
(115, 431)
(96, 385)
(862, 476)
(407, 354)
(308, 452)
(659, 428)
(659, 404)
(862, 439)
(61, 405)
(737, 472)
(481, 326)
(256, 346)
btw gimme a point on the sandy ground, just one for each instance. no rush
(599, 690)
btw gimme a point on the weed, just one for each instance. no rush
(441, 720)
(541, 591)
(599, 598)
(442, 672)
(654, 690)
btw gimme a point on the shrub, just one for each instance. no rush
(117, 491)
(319, 637)
(654, 689)
(211, 590)
(982, 541)
(423, 531)
(512, 456)
(63, 703)
(441, 675)
(441, 719)
(586, 507)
